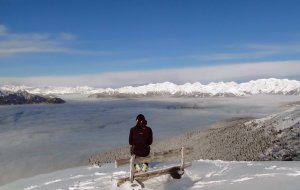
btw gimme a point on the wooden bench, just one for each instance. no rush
(142, 176)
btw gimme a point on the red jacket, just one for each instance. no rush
(140, 139)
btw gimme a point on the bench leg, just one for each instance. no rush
(132, 170)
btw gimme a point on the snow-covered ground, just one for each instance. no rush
(37, 139)
(261, 86)
(203, 174)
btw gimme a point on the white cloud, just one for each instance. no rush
(230, 72)
(231, 56)
(67, 36)
(250, 51)
(16, 43)
(275, 49)
(3, 30)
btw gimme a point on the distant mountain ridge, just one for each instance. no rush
(260, 86)
(23, 97)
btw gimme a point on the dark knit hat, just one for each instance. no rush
(140, 117)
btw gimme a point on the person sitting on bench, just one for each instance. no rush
(140, 139)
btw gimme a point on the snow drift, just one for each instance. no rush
(203, 174)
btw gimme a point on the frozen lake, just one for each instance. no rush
(37, 139)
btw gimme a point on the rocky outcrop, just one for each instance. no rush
(285, 129)
(23, 97)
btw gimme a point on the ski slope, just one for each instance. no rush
(203, 174)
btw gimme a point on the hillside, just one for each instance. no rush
(24, 97)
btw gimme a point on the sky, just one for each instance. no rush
(130, 42)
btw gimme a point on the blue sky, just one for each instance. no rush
(82, 38)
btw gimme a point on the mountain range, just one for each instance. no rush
(24, 97)
(260, 86)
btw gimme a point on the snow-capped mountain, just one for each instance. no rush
(271, 86)
(49, 89)
(24, 97)
(261, 86)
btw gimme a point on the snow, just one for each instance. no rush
(283, 120)
(286, 127)
(55, 137)
(203, 174)
(260, 86)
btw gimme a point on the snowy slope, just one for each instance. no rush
(286, 128)
(204, 174)
(265, 86)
